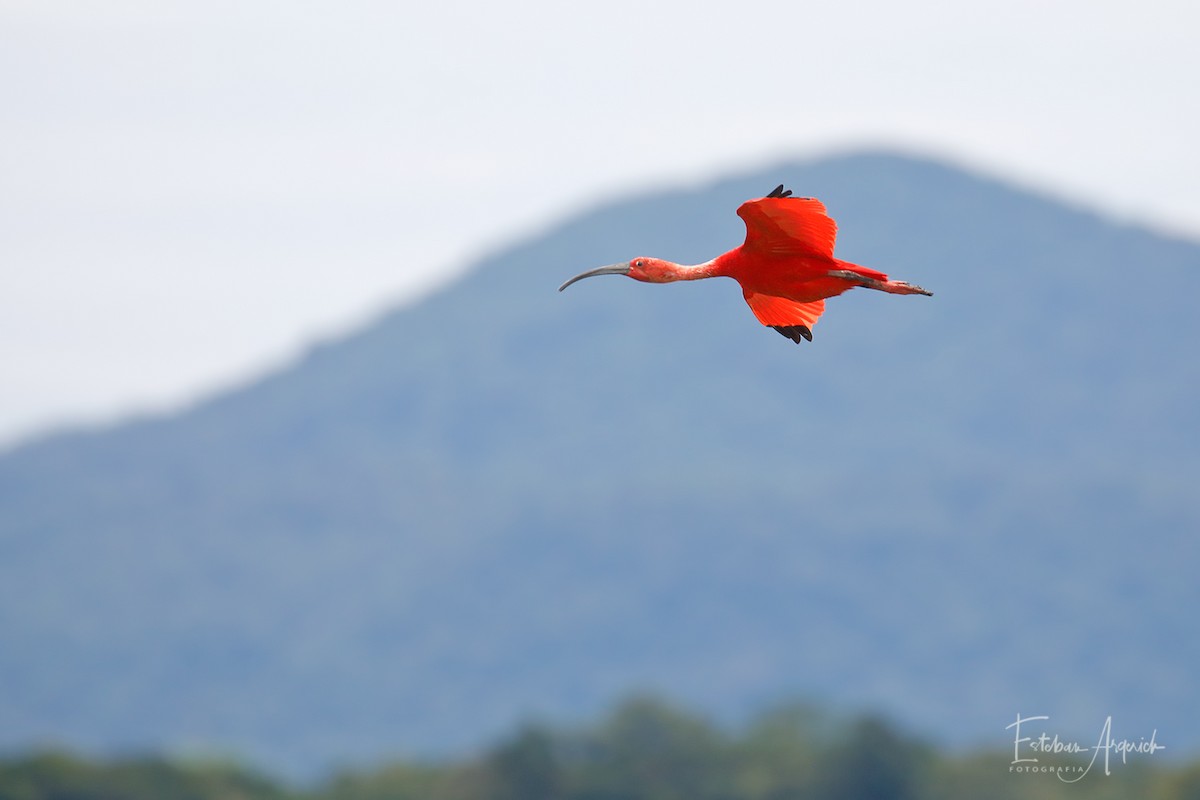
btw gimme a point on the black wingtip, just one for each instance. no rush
(779, 191)
(794, 332)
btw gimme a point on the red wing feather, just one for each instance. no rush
(796, 225)
(779, 312)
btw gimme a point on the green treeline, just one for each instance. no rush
(645, 750)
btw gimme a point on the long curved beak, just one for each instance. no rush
(611, 269)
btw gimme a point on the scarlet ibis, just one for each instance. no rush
(785, 267)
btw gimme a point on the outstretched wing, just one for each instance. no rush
(793, 320)
(780, 224)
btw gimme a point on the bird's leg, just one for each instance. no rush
(891, 287)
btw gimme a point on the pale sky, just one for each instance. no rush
(192, 192)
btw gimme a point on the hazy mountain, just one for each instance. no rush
(504, 501)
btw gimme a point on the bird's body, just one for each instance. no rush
(786, 266)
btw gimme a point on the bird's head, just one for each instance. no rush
(650, 270)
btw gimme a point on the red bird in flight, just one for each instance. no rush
(785, 267)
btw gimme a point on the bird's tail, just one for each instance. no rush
(873, 279)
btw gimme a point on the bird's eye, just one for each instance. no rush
(639, 263)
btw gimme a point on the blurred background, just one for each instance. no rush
(195, 190)
(305, 465)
